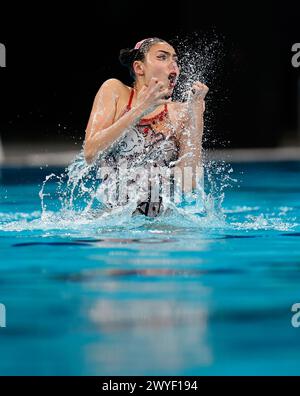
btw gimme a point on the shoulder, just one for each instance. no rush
(113, 85)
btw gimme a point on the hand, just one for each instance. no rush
(198, 92)
(152, 96)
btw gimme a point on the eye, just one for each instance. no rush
(162, 56)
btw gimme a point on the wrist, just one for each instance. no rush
(198, 101)
(142, 110)
(138, 112)
(198, 106)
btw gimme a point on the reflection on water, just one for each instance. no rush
(183, 294)
(110, 315)
(160, 336)
(93, 275)
(204, 289)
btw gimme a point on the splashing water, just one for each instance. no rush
(76, 197)
(72, 200)
(88, 290)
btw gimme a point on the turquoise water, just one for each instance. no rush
(181, 295)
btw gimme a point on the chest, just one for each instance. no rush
(153, 123)
(145, 139)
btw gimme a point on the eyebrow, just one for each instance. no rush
(168, 53)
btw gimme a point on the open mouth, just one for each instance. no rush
(172, 79)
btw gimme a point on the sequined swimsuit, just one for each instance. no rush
(151, 141)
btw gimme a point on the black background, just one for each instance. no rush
(57, 58)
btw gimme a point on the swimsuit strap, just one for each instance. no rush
(130, 99)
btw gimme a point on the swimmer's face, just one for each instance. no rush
(161, 61)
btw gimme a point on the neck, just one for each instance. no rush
(138, 85)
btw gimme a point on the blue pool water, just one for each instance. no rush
(171, 296)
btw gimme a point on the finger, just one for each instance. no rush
(159, 86)
(163, 101)
(153, 81)
(144, 87)
(163, 93)
(198, 87)
(195, 86)
(195, 89)
(199, 84)
(156, 87)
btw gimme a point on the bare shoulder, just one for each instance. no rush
(113, 85)
(113, 82)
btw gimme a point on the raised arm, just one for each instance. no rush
(102, 131)
(190, 153)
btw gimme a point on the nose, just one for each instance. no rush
(174, 67)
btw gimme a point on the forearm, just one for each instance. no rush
(190, 161)
(102, 139)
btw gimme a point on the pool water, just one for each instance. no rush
(171, 296)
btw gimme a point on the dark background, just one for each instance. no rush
(57, 58)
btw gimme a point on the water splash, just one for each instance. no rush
(70, 201)
(73, 202)
(77, 195)
(200, 59)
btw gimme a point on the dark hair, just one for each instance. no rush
(128, 56)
